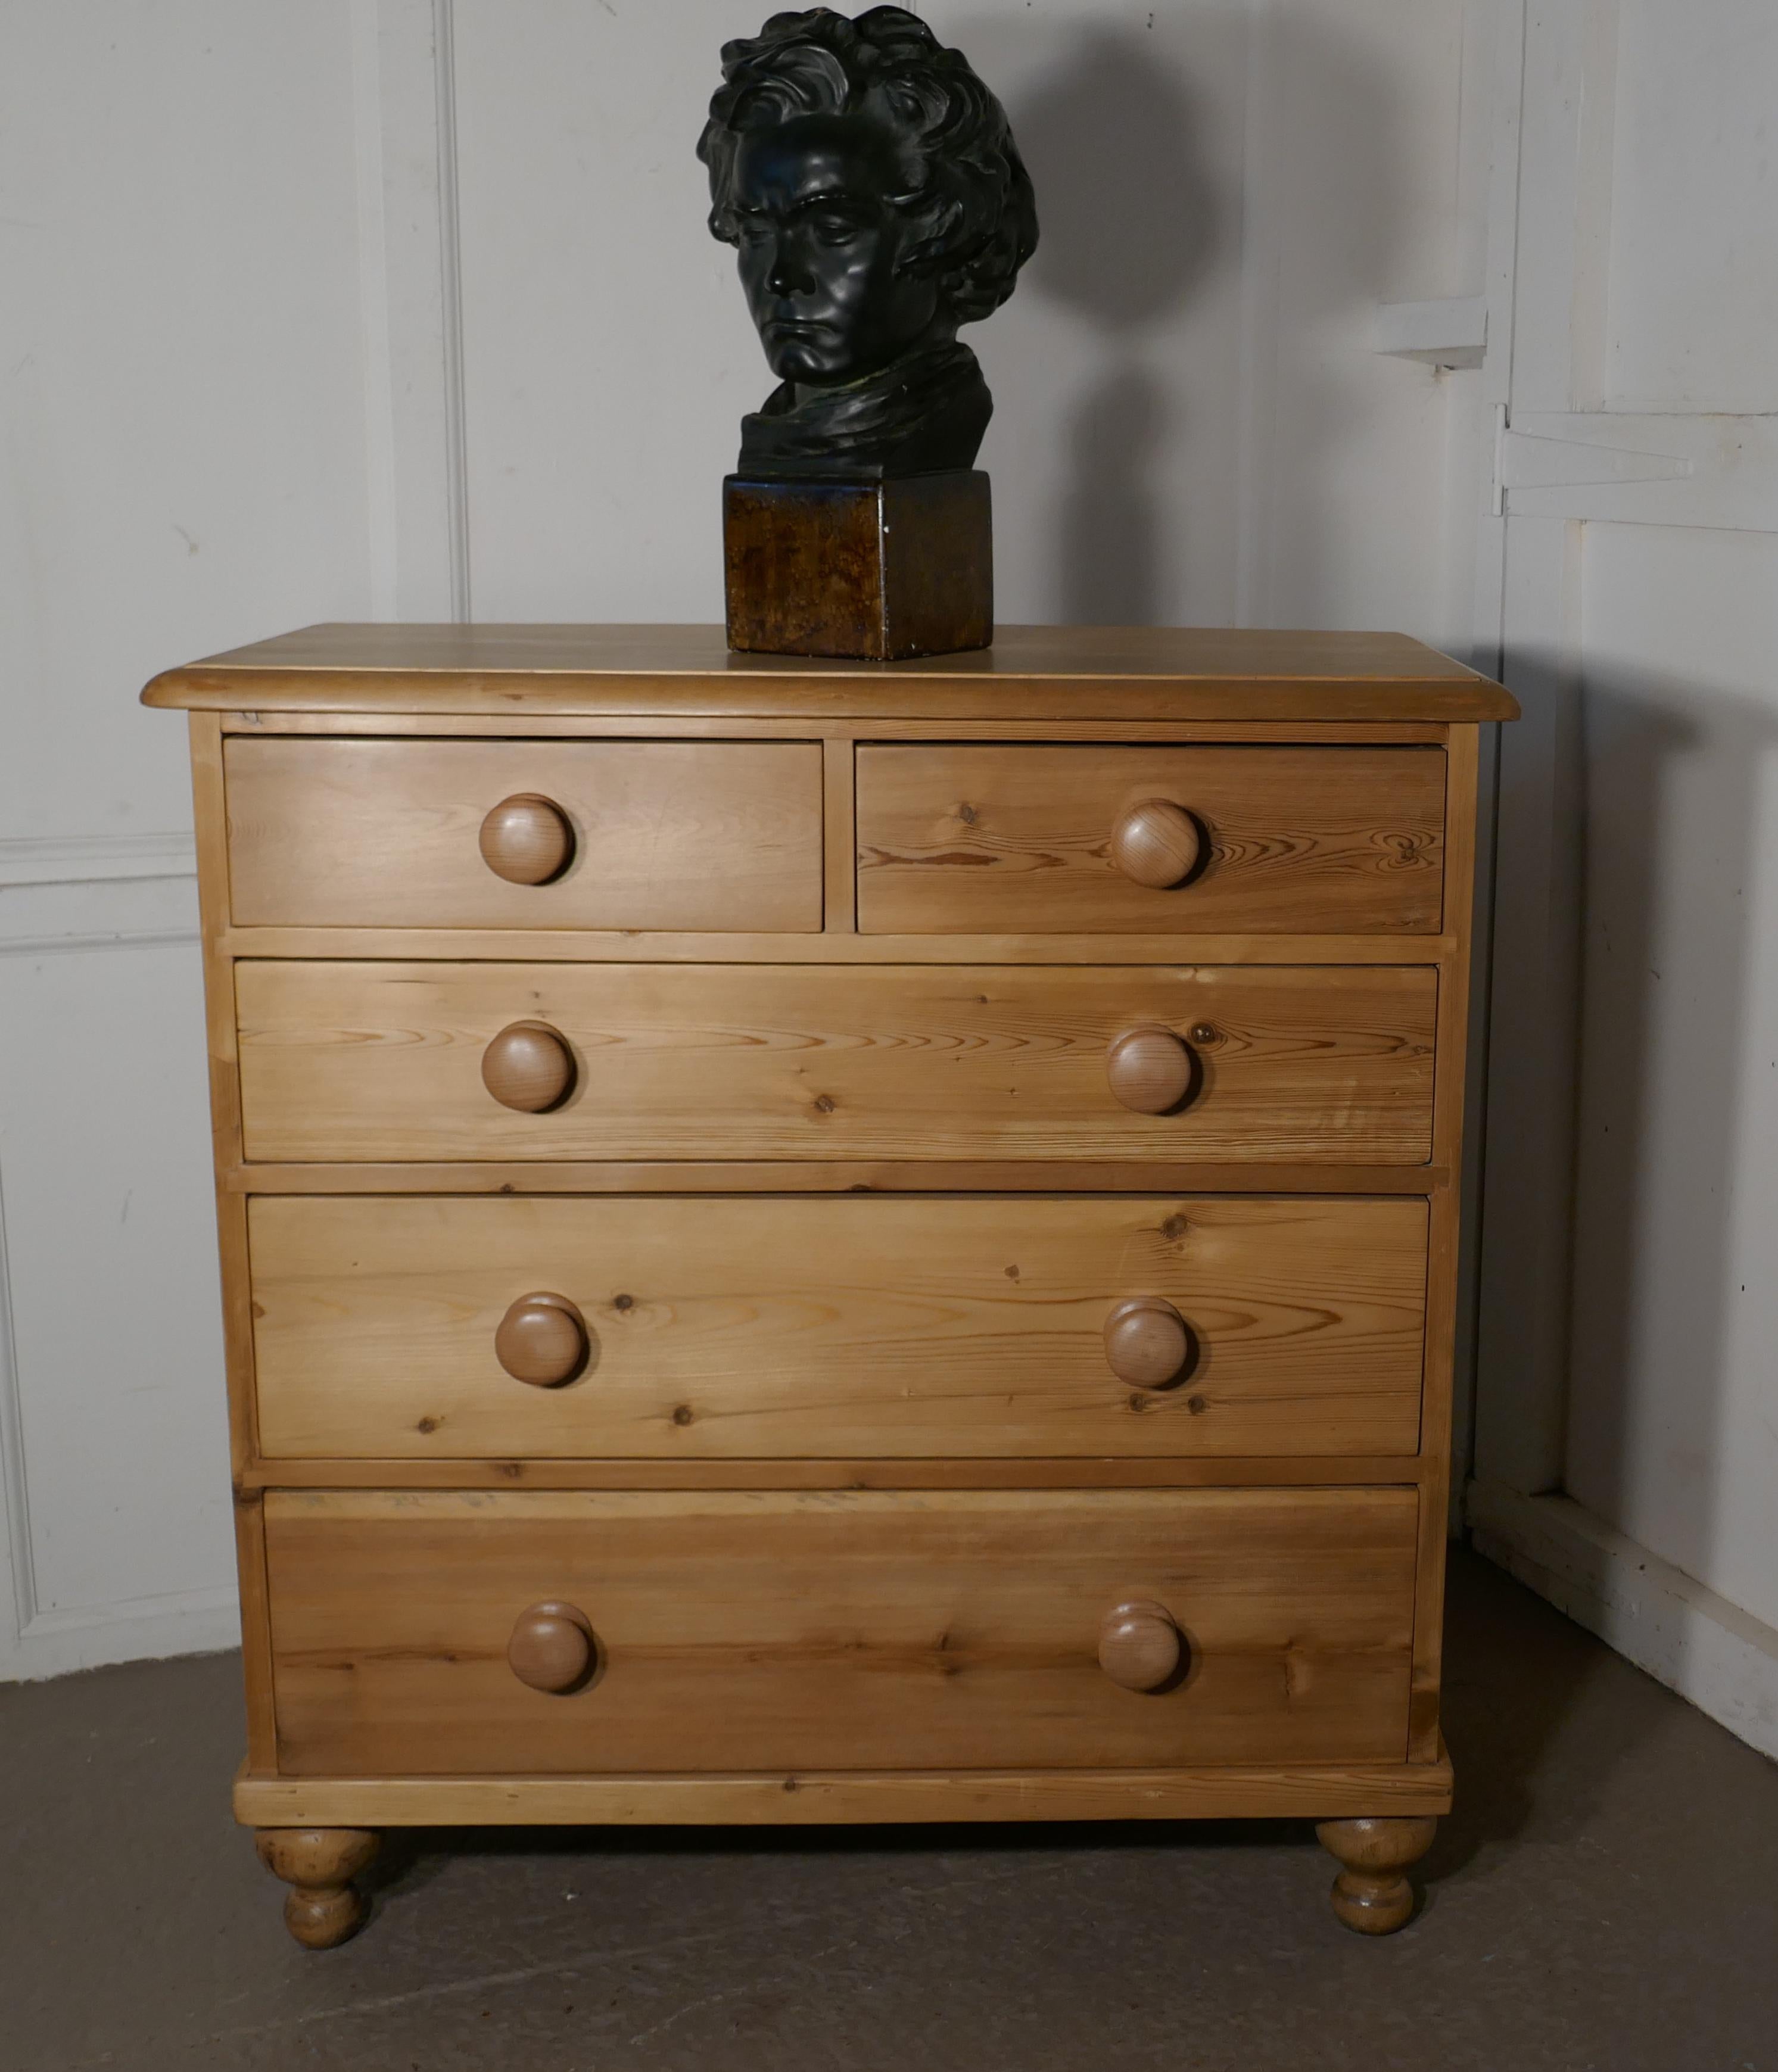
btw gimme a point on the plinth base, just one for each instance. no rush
(877, 571)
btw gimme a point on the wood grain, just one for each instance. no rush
(1014, 1471)
(1151, 1070)
(850, 1328)
(526, 840)
(1370, 1896)
(1150, 1345)
(323, 1908)
(665, 834)
(765, 1631)
(383, 1061)
(1112, 700)
(1140, 1648)
(256, 1632)
(843, 1176)
(838, 946)
(818, 1371)
(972, 839)
(552, 1647)
(527, 1066)
(541, 1339)
(378, 649)
(840, 838)
(1157, 844)
(998, 724)
(1236, 1791)
(1049, 671)
(1446, 1263)
(211, 834)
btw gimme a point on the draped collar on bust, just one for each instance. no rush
(921, 414)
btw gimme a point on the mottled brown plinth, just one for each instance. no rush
(879, 571)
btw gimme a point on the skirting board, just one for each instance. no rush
(1711, 1652)
(57, 1643)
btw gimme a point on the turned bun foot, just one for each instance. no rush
(319, 1865)
(1371, 1895)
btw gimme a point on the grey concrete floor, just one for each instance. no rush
(1605, 1899)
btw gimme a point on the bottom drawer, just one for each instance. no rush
(852, 1630)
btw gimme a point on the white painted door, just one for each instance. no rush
(1630, 1249)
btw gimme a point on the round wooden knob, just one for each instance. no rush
(1157, 844)
(527, 840)
(529, 1067)
(1148, 1343)
(1150, 1070)
(1139, 1645)
(541, 1339)
(552, 1647)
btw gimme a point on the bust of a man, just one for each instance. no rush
(871, 187)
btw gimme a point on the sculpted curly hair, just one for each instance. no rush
(971, 202)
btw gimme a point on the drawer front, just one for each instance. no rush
(862, 1326)
(651, 834)
(957, 840)
(386, 1061)
(850, 1630)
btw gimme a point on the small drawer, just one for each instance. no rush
(415, 1061)
(681, 835)
(965, 840)
(532, 1632)
(552, 1328)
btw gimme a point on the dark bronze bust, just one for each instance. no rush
(871, 186)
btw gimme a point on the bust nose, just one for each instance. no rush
(789, 272)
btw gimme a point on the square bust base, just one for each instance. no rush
(877, 571)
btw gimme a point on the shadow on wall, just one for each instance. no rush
(1675, 774)
(1128, 220)
(1136, 139)
(1664, 783)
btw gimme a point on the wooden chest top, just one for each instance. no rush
(1031, 673)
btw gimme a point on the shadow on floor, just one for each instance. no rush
(1605, 1897)
(1511, 1681)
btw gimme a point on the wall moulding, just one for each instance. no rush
(404, 124)
(93, 859)
(93, 1636)
(18, 1603)
(64, 895)
(59, 896)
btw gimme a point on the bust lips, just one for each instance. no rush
(777, 332)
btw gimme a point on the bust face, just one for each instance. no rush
(823, 252)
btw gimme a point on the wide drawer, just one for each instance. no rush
(961, 839)
(412, 1328)
(748, 1631)
(649, 834)
(387, 1061)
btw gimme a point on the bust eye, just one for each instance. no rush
(833, 227)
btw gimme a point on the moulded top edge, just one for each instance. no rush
(1152, 672)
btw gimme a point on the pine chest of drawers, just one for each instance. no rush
(821, 1242)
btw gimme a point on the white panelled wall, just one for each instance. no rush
(183, 427)
(405, 309)
(1626, 1450)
